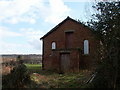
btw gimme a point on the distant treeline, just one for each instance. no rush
(29, 58)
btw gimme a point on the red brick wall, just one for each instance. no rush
(81, 33)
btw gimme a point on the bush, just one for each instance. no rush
(17, 78)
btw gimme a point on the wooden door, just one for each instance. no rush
(65, 62)
(69, 39)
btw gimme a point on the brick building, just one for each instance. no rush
(69, 47)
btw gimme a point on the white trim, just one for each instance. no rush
(53, 45)
(86, 47)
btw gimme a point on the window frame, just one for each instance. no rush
(53, 45)
(86, 47)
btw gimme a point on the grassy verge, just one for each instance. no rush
(48, 79)
(55, 80)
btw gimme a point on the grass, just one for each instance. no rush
(34, 66)
(48, 79)
(76, 80)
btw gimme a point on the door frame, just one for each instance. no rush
(60, 69)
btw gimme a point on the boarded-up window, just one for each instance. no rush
(69, 39)
(86, 47)
(53, 45)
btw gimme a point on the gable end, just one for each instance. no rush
(56, 27)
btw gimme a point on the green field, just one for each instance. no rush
(34, 66)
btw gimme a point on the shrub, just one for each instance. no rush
(17, 78)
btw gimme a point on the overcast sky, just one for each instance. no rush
(24, 22)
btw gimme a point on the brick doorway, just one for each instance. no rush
(64, 62)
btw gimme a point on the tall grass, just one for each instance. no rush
(49, 79)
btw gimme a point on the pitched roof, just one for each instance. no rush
(56, 27)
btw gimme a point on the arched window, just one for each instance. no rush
(86, 47)
(53, 45)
